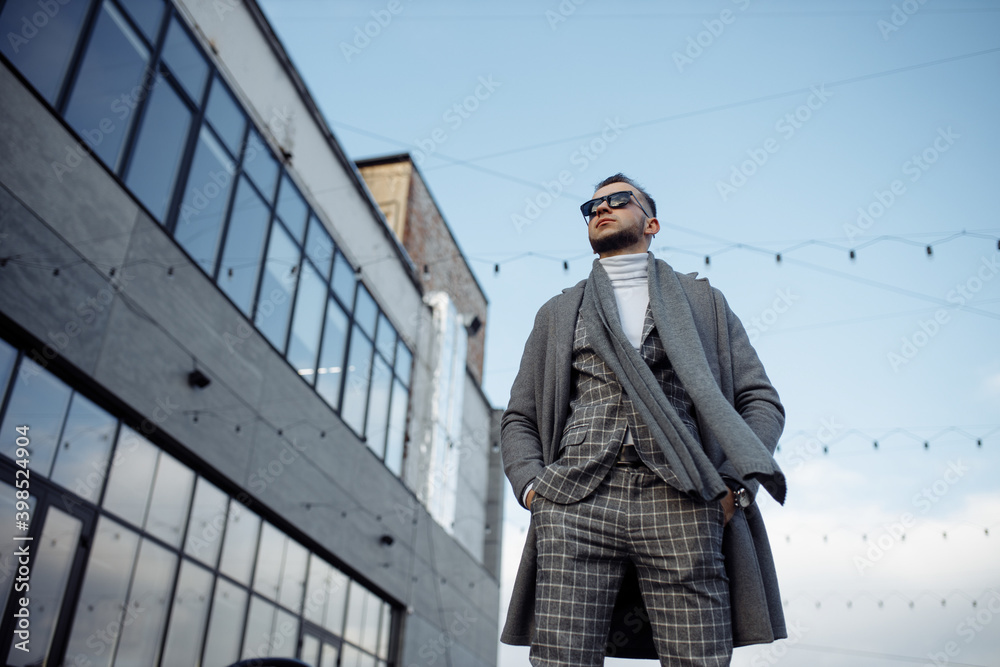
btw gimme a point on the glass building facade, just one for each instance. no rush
(140, 558)
(130, 79)
(137, 559)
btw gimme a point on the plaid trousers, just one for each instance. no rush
(592, 518)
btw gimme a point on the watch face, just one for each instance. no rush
(743, 498)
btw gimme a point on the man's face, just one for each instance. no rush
(619, 231)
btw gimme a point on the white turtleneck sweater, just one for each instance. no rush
(630, 281)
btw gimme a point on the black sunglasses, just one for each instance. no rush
(615, 200)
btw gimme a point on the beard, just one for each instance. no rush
(624, 237)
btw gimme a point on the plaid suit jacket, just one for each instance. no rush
(600, 413)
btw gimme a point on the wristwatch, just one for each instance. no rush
(742, 498)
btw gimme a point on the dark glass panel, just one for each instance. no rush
(40, 43)
(293, 575)
(310, 649)
(225, 629)
(366, 311)
(257, 637)
(267, 573)
(84, 450)
(359, 363)
(146, 13)
(8, 356)
(226, 117)
(396, 436)
(50, 571)
(206, 195)
(240, 543)
(385, 341)
(244, 251)
(132, 470)
(404, 362)
(307, 322)
(207, 523)
(278, 284)
(108, 88)
(8, 508)
(359, 600)
(152, 173)
(147, 606)
(285, 635)
(102, 598)
(337, 584)
(189, 615)
(38, 401)
(260, 165)
(344, 281)
(385, 631)
(378, 406)
(171, 497)
(185, 61)
(316, 589)
(319, 246)
(331, 360)
(330, 655)
(292, 208)
(373, 616)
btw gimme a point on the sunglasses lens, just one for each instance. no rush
(619, 199)
(588, 208)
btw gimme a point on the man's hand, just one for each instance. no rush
(531, 496)
(728, 506)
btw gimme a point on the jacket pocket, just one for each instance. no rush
(574, 435)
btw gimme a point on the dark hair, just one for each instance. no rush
(622, 178)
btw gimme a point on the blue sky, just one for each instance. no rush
(759, 127)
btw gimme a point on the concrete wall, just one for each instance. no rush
(153, 326)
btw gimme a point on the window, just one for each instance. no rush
(185, 61)
(274, 304)
(208, 519)
(330, 373)
(49, 577)
(189, 616)
(344, 280)
(225, 116)
(240, 544)
(260, 165)
(41, 52)
(104, 592)
(147, 14)
(359, 364)
(206, 196)
(303, 346)
(396, 431)
(145, 96)
(149, 591)
(109, 86)
(378, 406)
(40, 401)
(292, 208)
(152, 173)
(319, 247)
(244, 249)
(84, 449)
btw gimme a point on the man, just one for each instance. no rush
(640, 426)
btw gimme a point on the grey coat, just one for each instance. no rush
(533, 424)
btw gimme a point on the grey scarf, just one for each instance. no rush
(673, 319)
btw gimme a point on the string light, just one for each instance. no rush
(882, 597)
(779, 256)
